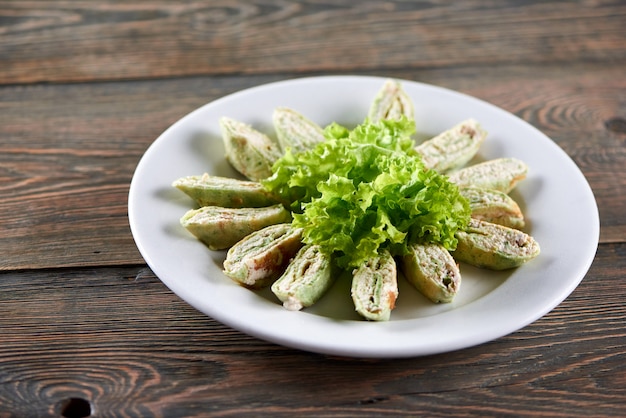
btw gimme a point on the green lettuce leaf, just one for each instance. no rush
(366, 189)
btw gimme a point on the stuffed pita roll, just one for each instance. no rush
(452, 148)
(249, 151)
(501, 174)
(226, 192)
(220, 228)
(493, 206)
(375, 288)
(433, 272)
(307, 278)
(261, 257)
(492, 246)
(391, 102)
(296, 132)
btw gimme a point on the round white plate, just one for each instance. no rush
(558, 203)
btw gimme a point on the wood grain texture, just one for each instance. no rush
(61, 41)
(68, 152)
(135, 349)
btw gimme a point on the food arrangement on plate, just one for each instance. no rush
(368, 201)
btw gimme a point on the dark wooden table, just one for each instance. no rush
(86, 329)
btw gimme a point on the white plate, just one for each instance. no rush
(559, 205)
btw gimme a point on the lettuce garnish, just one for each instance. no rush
(366, 189)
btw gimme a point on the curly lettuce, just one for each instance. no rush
(366, 189)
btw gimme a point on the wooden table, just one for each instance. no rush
(85, 87)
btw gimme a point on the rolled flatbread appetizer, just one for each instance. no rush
(391, 102)
(294, 131)
(226, 192)
(249, 151)
(501, 174)
(261, 257)
(492, 246)
(220, 228)
(308, 276)
(493, 206)
(452, 148)
(375, 288)
(433, 272)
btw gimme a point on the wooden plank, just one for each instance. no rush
(68, 152)
(60, 40)
(117, 338)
